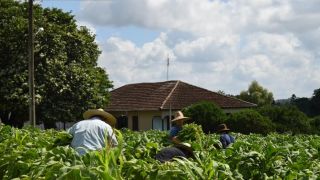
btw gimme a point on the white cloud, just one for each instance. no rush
(218, 45)
(128, 63)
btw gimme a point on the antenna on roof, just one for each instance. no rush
(168, 63)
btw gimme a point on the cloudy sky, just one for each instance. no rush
(215, 44)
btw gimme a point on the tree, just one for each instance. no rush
(257, 94)
(287, 118)
(315, 102)
(304, 105)
(67, 78)
(206, 114)
(315, 124)
(250, 121)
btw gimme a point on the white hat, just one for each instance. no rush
(179, 116)
(109, 118)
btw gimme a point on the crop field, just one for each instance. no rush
(44, 154)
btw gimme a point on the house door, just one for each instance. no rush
(135, 123)
(122, 122)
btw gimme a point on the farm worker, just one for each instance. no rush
(91, 133)
(177, 151)
(225, 138)
(177, 126)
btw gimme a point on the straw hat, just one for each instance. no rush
(179, 116)
(108, 118)
(223, 128)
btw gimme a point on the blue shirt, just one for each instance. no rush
(91, 134)
(174, 131)
(226, 139)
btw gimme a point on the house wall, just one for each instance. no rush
(145, 117)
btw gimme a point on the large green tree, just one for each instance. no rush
(67, 79)
(315, 102)
(257, 94)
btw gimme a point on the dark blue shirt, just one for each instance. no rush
(226, 139)
(174, 131)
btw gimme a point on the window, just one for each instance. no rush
(161, 124)
(157, 123)
(135, 123)
(122, 122)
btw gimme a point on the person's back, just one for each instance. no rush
(91, 133)
(168, 153)
(226, 139)
(181, 150)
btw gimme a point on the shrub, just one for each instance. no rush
(315, 124)
(206, 114)
(250, 121)
(287, 118)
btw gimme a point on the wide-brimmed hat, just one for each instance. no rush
(109, 118)
(222, 128)
(179, 116)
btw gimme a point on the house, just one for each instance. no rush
(144, 106)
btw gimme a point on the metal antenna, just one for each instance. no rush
(168, 63)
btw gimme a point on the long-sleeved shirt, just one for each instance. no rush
(91, 134)
(174, 131)
(226, 139)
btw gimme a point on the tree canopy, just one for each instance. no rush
(257, 94)
(310, 106)
(206, 114)
(67, 79)
(315, 102)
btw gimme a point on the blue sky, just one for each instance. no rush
(217, 44)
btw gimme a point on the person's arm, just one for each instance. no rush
(113, 139)
(110, 134)
(175, 140)
(173, 135)
(231, 139)
(223, 141)
(71, 130)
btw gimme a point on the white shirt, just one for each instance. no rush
(90, 135)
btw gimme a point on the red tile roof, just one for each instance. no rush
(159, 95)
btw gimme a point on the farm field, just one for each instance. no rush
(43, 154)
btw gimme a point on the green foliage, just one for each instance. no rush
(193, 134)
(315, 124)
(67, 79)
(257, 94)
(304, 105)
(249, 121)
(206, 114)
(315, 102)
(24, 155)
(62, 139)
(309, 106)
(190, 132)
(287, 118)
